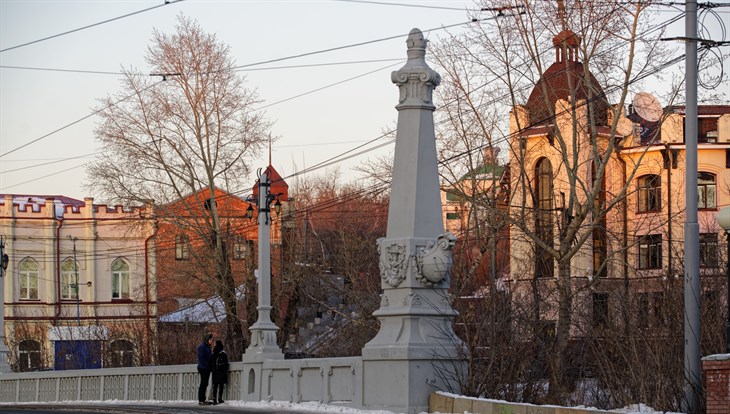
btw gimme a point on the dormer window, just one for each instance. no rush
(707, 129)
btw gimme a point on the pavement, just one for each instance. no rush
(141, 408)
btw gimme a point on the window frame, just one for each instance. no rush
(704, 188)
(68, 277)
(601, 311)
(650, 252)
(709, 254)
(649, 192)
(599, 254)
(27, 357)
(239, 248)
(182, 247)
(26, 279)
(544, 189)
(120, 280)
(123, 356)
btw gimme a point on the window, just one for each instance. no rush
(706, 190)
(707, 129)
(650, 193)
(544, 262)
(708, 250)
(29, 356)
(121, 353)
(643, 310)
(658, 309)
(600, 240)
(69, 279)
(650, 252)
(28, 273)
(240, 248)
(600, 310)
(120, 279)
(182, 247)
(452, 216)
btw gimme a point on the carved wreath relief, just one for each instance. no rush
(393, 263)
(434, 261)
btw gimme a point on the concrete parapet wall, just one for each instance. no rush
(327, 380)
(164, 383)
(444, 403)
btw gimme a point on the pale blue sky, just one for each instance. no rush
(34, 103)
(310, 128)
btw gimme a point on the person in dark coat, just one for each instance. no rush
(219, 365)
(204, 359)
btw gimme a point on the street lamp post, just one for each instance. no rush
(723, 218)
(263, 333)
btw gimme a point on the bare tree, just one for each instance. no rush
(332, 265)
(192, 132)
(561, 73)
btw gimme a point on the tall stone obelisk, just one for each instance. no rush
(416, 350)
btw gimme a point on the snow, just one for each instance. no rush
(307, 407)
(210, 310)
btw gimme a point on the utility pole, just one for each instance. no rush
(692, 328)
(76, 284)
(4, 260)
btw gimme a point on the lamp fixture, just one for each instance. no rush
(277, 206)
(249, 211)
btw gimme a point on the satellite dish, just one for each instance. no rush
(647, 107)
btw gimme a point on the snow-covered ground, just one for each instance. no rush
(310, 407)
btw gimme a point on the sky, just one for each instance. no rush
(345, 100)
(309, 129)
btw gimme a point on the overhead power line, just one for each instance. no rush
(90, 26)
(420, 6)
(102, 72)
(368, 42)
(76, 121)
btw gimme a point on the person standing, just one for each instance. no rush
(219, 365)
(204, 357)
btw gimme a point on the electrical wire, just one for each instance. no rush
(332, 160)
(420, 6)
(90, 26)
(79, 120)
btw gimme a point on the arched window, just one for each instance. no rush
(120, 279)
(600, 239)
(69, 279)
(29, 355)
(28, 274)
(544, 262)
(706, 190)
(122, 353)
(650, 193)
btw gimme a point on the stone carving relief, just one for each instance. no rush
(393, 262)
(434, 261)
(383, 301)
(412, 299)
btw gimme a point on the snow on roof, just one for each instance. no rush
(208, 310)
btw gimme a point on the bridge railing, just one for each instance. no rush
(328, 380)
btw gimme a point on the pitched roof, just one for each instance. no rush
(208, 310)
